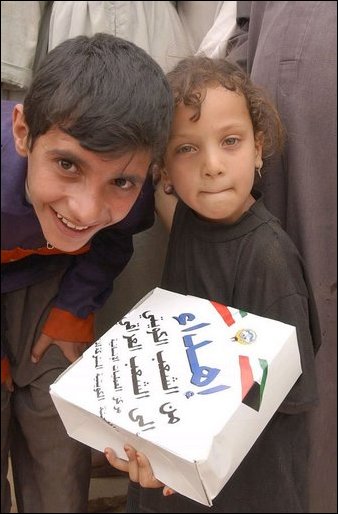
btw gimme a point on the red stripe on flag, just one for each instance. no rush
(224, 312)
(246, 374)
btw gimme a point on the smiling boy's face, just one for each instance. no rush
(76, 192)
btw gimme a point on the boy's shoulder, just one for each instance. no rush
(13, 166)
(6, 120)
(7, 107)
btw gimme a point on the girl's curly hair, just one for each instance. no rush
(191, 77)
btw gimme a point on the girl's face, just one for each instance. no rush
(211, 162)
(76, 192)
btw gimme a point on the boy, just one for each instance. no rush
(75, 188)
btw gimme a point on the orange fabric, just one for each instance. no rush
(5, 369)
(20, 253)
(64, 326)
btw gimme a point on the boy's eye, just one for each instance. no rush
(67, 165)
(123, 183)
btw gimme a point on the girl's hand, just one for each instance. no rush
(138, 467)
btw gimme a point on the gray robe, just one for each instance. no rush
(289, 48)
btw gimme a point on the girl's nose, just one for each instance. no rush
(212, 166)
(213, 172)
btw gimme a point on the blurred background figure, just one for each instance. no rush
(289, 48)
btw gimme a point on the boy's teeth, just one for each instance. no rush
(69, 224)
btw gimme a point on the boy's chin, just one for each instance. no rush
(67, 247)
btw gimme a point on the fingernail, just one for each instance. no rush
(34, 359)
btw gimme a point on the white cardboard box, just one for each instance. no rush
(188, 382)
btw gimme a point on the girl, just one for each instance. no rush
(225, 246)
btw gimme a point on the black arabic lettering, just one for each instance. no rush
(151, 317)
(166, 408)
(140, 420)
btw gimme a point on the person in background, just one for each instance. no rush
(154, 26)
(227, 247)
(76, 187)
(289, 48)
(208, 25)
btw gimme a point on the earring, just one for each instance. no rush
(258, 169)
(168, 189)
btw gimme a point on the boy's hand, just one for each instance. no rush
(138, 467)
(71, 351)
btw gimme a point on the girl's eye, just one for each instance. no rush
(185, 149)
(123, 183)
(67, 165)
(231, 141)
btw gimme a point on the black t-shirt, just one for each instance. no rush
(251, 265)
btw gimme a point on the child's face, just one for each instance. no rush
(76, 192)
(211, 162)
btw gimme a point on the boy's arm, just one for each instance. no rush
(84, 288)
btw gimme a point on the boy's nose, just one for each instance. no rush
(87, 210)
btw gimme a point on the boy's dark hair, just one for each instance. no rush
(104, 91)
(191, 76)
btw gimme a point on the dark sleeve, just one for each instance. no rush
(295, 310)
(278, 288)
(133, 498)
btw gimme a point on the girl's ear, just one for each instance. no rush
(20, 130)
(165, 176)
(167, 184)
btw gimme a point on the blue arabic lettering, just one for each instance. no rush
(201, 375)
